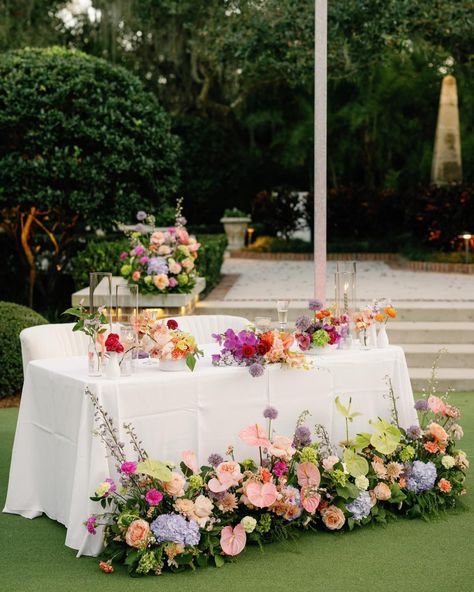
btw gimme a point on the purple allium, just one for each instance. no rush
(413, 432)
(91, 524)
(421, 405)
(302, 323)
(302, 436)
(173, 528)
(141, 215)
(215, 459)
(280, 468)
(157, 265)
(142, 354)
(256, 369)
(420, 476)
(270, 413)
(315, 305)
(361, 506)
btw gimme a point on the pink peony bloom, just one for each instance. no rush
(173, 282)
(254, 435)
(261, 495)
(153, 497)
(436, 405)
(189, 459)
(128, 467)
(233, 540)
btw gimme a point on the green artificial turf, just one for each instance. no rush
(405, 555)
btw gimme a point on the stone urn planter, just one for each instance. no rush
(235, 229)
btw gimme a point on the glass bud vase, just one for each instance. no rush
(94, 358)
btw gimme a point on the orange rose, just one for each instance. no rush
(431, 447)
(390, 311)
(380, 317)
(137, 534)
(437, 432)
(266, 476)
(333, 518)
(445, 486)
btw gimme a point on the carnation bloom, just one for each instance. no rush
(128, 467)
(280, 468)
(448, 461)
(106, 567)
(91, 524)
(153, 497)
(249, 523)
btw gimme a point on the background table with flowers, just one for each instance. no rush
(57, 462)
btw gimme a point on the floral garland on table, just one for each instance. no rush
(160, 261)
(255, 349)
(322, 330)
(161, 518)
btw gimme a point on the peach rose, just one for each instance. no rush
(175, 486)
(136, 276)
(137, 534)
(333, 518)
(157, 238)
(161, 281)
(188, 264)
(382, 492)
(329, 462)
(175, 268)
(202, 510)
(184, 506)
(437, 432)
(164, 250)
(229, 469)
(445, 486)
(282, 447)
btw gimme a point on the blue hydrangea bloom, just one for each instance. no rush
(421, 476)
(361, 506)
(174, 528)
(157, 265)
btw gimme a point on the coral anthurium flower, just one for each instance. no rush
(233, 540)
(254, 435)
(189, 459)
(261, 495)
(309, 501)
(308, 474)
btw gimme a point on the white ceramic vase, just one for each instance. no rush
(372, 335)
(382, 337)
(112, 370)
(173, 365)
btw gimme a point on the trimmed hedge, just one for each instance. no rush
(13, 319)
(103, 255)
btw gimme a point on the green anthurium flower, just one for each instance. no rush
(156, 469)
(355, 464)
(386, 437)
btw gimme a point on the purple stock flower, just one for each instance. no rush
(270, 413)
(141, 215)
(91, 524)
(302, 323)
(280, 468)
(421, 405)
(215, 459)
(256, 369)
(315, 305)
(420, 476)
(302, 436)
(413, 432)
(361, 506)
(157, 265)
(173, 528)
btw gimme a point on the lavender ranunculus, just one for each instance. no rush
(302, 323)
(256, 369)
(361, 506)
(420, 476)
(421, 405)
(174, 528)
(157, 266)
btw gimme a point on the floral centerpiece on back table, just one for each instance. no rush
(322, 330)
(255, 349)
(160, 261)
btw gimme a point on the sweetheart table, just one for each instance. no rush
(57, 462)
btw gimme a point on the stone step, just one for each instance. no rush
(423, 355)
(459, 379)
(441, 333)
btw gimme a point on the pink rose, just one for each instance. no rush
(227, 475)
(164, 250)
(128, 467)
(175, 486)
(136, 276)
(282, 447)
(153, 497)
(182, 235)
(137, 534)
(329, 462)
(173, 282)
(123, 255)
(333, 518)
(157, 238)
(175, 267)
(144, 260)
(188, 264)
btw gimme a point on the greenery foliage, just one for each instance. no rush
(104, 255)
(13, 319)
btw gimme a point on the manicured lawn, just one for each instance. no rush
(405, 555)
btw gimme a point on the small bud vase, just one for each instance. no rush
(94, 359)
(112, 370)
(382, 337)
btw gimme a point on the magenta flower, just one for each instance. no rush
(123, 255)
(153, 497)
(144, 259)
(112, 486)
(91, 524)
(128, 467)
(304, 341)
(173, 282)
(138, 250)
(280, 468)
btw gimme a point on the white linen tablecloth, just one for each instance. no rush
(57, 462)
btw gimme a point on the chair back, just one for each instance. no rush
(203, 326)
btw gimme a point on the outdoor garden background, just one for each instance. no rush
(110, 107)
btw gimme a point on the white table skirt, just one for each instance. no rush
(57, 462)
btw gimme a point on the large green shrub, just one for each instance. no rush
(13, 319)
(103, 255)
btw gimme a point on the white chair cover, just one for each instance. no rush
(51, 341)
(203, 326)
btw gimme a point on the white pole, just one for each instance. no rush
(320, 135)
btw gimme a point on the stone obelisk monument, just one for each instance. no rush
(447, 164)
